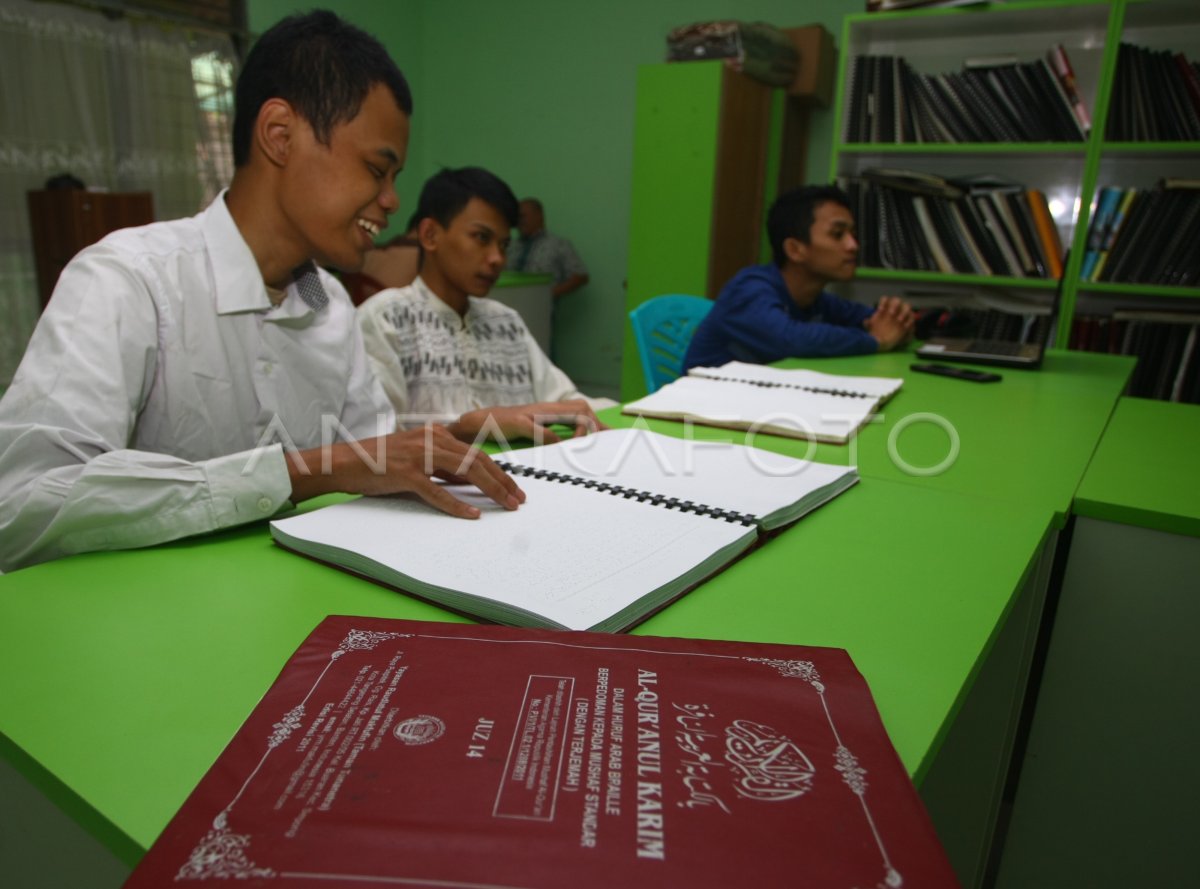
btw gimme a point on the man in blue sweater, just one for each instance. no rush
(780, 310)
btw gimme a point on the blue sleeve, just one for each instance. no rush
(764, 327)
(843, 312)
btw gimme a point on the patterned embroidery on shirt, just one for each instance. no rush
(486, 361)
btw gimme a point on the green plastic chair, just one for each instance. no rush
(663, 327)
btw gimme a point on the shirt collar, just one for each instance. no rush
(238, 282)
(437, 305)
(236, 276)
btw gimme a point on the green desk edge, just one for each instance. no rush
(1145, 471)
(521, 279)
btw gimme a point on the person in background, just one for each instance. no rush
(201, 373)
(540, 252)
(782, 310)
(440, 349)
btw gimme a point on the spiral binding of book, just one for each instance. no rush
(628, 493)
(776, 384)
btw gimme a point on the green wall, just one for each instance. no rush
(543, 93)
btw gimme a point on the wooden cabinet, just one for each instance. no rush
(64, 221)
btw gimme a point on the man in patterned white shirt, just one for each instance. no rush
(444, 352)
(540, 252)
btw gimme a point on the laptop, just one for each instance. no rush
(1001, 353)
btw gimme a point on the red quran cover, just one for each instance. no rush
(407, 753)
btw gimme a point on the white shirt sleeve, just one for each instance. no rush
(69, 481)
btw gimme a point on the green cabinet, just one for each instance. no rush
(701, 150)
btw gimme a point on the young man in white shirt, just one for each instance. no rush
(200, 373)
(442, 350)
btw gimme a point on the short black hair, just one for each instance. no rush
(323, 66)
(447, 192)
(792, 215)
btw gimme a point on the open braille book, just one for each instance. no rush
(793, 403)
(615, 525)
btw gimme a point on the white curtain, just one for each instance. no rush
(122, 105)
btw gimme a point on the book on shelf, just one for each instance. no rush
(999, 123)
(1000, 240)
(1020, 202)
(1159, 340)
(990, 100)
(1114, 229)
(616, 525)
(907, 126)
(960, 107)
(1060, 63)
(1152, 238)
(973, 62)
(886, 123)
(932, 239)
(1139, 219)
(915, 252)
(792, 403)
(1099, 226)
(397, 752)
(1061, 117)
(915, 181)
(1176, 245)
(1023, 249)
(953, 236)
(1165, 344)
(1176, 109)
(957, 221)
(852, 128)
(990, 258)
(1155, 97)
(1191, 80)
(981, 224)
(998, 82)
(926, 126)
(1051, 243)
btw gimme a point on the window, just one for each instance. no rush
(123, 104)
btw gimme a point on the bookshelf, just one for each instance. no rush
(1070, 169)
(1151, 318)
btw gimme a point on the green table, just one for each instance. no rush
(126, 673)
(1146, 471)
(1027, 438)
(153, 658)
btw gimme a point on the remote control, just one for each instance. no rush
(959, 373)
